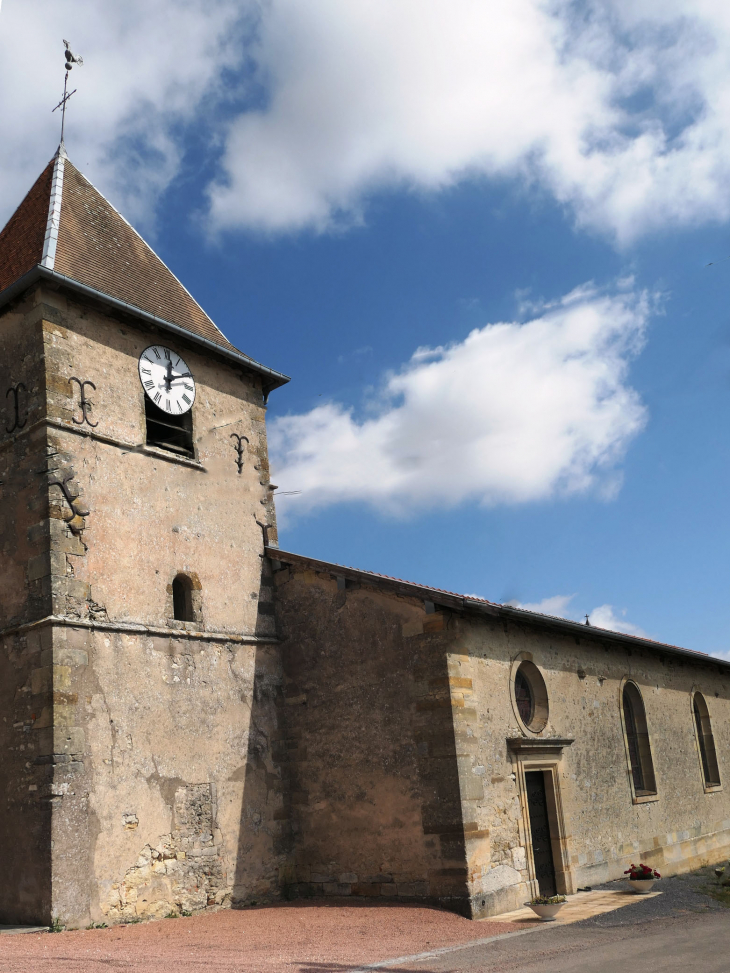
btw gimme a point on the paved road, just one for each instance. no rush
(681, 931)
(690, 944)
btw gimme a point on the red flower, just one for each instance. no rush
(642, 872)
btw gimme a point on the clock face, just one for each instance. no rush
(166, 379)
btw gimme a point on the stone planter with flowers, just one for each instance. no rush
(547, 906)
(641, 878)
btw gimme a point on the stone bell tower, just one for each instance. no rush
(136, 617)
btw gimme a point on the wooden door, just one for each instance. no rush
(542, 848)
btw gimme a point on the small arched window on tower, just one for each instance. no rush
(637, 740)
(182, 599)
(705, 741)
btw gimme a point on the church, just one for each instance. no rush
(193, 717)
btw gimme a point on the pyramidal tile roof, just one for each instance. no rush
(65, 226)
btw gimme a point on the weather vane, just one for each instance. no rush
(71, 59)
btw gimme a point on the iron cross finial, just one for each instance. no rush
(71, 59)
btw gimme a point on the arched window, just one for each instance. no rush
(182, 599)
(637, 738)
(705, 741)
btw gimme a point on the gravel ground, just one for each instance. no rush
(288, 938)
(327, 937)
(681, 895)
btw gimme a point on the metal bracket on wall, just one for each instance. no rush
(239, 449)
(265, 529)
(77, 510)
(85, 404)
(15, 389)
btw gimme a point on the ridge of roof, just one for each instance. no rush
(278, 554)
(464, 602)
(53, 224)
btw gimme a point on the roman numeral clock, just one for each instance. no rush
(167, 380)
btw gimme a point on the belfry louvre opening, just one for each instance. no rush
(167, 431)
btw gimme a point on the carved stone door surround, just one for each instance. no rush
(544, 755)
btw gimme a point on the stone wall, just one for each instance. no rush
(25, 813)
(23, 457)
(137, 751)
(148, 512)
(154, 777)
(399, 725)
(605, 829)
(183, 788)
(375, 803)
(25, 818)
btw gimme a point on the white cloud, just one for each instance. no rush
(514, 413)
(721, 654)
(148, 67)
(604, 616)
(555, 605)
(620, 109)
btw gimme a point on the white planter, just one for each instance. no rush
(547, 913)
(641, 886)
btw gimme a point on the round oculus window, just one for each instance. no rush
(523, 697)
(531, 697)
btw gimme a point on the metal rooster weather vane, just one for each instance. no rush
(71, 59)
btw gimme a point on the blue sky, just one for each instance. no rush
(478, 242)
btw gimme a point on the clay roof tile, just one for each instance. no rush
(67, 226)
(21, 241)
